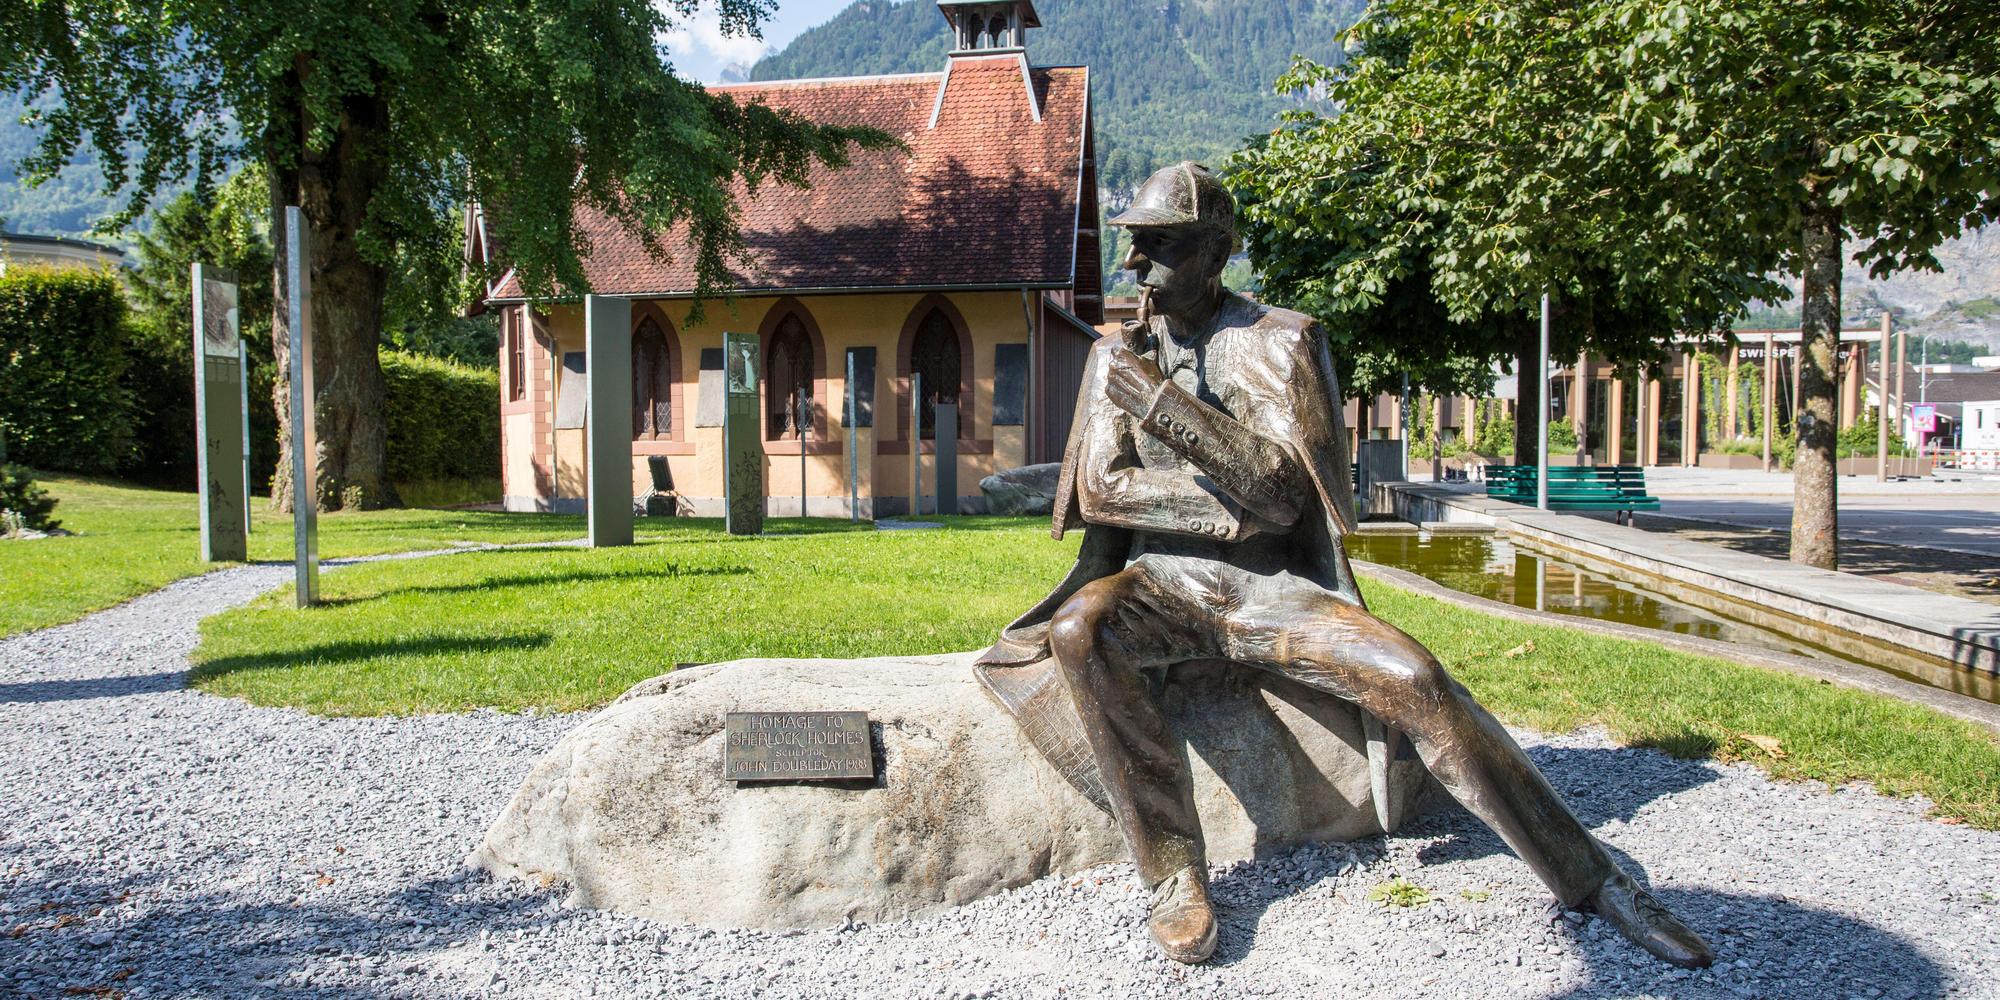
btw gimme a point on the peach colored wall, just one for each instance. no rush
(844, 321)
(519, 469)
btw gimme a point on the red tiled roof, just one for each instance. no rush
(986, 197)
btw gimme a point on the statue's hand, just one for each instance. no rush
(1132, 382)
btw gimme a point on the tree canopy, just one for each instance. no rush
(380, 119)
(1656, 167)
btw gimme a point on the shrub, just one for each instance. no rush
(62, 361)
(160, 386)
(1496, 437)
(444, 419)
(21, 499)
(1562, 437)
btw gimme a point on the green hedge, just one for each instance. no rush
(444, 419)
(62, 357)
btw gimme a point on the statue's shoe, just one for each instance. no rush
(1642, 919)
(1183, 919)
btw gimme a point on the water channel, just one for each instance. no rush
(1494, 568)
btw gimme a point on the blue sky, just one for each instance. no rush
(699, 49)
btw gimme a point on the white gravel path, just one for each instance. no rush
(161, 842)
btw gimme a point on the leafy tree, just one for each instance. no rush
(377, 118)
(1425, 220)
(1782, 129)
(1652, 165)
(228, 230)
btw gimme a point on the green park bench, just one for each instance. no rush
(1620, 489)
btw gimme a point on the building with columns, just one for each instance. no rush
(965, 264)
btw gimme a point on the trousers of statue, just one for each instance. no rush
(1160, 611)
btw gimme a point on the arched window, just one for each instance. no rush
(652, 383)
(788, 374)
(996, 30)
(934, 358)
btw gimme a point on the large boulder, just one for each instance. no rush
(1030, 489)
(630, 810)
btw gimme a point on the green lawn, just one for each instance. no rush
(130, 541)
(572, 629)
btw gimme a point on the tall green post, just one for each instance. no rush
(219, 428)
(742, 437)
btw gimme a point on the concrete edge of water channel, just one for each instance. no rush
(1950, 642)
(1957, 706)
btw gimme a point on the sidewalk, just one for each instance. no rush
(1853, 614)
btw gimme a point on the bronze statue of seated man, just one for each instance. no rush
(1207, 464)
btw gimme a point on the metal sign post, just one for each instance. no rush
(805, 435)
(219, 418)
(853, 444)
(916, 443)
(1542, 414)
(305, 437)
(243, 358)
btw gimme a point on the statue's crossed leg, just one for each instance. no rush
(1164, 610)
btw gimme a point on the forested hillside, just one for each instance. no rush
(1172, 79)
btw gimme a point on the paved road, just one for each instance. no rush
(1963, 516)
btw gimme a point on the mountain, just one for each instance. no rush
(69, 204)
(1171, 79)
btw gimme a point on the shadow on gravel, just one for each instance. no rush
(209, 945)
(1789, 949)
(86, 688)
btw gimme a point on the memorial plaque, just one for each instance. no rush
(797, 746)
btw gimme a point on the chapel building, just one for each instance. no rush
(970, 261)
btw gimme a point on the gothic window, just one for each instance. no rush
(996, 31)
(652, 383)
(934, 359)
(788, 382)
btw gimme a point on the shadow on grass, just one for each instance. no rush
(665, 571)
(334, 653)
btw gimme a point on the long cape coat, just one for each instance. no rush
(1294, 400)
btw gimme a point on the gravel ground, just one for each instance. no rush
(161, 842)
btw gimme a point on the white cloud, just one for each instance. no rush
(697, 45)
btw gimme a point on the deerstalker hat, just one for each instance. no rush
(1185, 194)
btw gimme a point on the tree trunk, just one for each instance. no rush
(335, 187)
(1530, 387)
(1815, 497)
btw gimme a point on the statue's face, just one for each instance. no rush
(1180, 267)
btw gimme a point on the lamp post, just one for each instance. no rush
(1542, 414)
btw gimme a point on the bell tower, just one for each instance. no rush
(989, 27)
